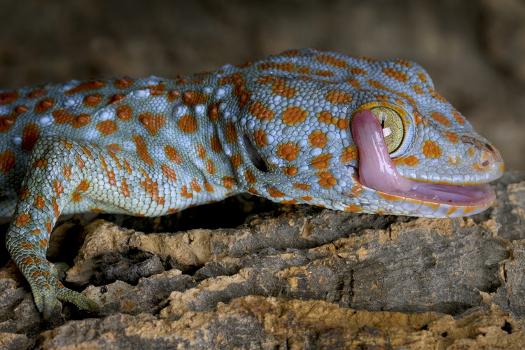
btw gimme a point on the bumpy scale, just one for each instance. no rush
(304, 126)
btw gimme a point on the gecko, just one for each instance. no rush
(303, 127)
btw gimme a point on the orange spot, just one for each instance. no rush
(92, 100)
(275, 193)
(325, 117)
(49, 226)
(56, 209)
(398, 75)
(228, 182)
(201, 151)
(173, 95)
(168, 172)
(458, 117)
(142, 149)
(317, 138)
(76, 197)
(124, 112)
(107, 127)
(332, 61)
(192, 98)
(324, 73)
(43, 243)
(250, 178)
(451, 210)
(288, 151)
(213, 112)
(353, 208)
(80, 162)
(83, 186)
(301, 186)
(349, 154)
(116, 98)
(188, 123)
(408, 160)
(422, 77)
(358, 71)
(210, 167)
(81, 120)
(431, 149)
(172, 154)
(388, 197)
(338, 96)
(66, 171)
(157, 90)
(236, 160)
(44, 105)
(280, 88)
(354, 82)
(26, 245)
(89, 85)
(39, 202)
(326, 179)
(215, 143)
(39, 92)
(152, 122)
(208, 187)
(321, 161)
(356, 190)
(152, 188)
(22, 220)
(230, 132)
(184, 192)
(260, 111)
(452, 137)
(8, 97)
(440, 118)
(20, 109)
(291, 171)
(6, 123)
(40, 163)
(123, 83)
(471, 152)
(294, 115)
(30, 135)
(286, 66)
(58, 187)
(307, 198)
(260, 138)
(417, 89)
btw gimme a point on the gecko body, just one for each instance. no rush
(305, 126)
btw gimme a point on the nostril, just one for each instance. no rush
(485, 163)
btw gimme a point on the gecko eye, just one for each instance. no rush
(393, 128)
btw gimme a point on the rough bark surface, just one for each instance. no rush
(292, 277)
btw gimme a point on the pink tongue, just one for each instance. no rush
(377, 171)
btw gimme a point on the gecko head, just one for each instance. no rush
(388, 144)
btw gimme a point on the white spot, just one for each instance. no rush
(143, 93)
(70, 102)
(152, 80)
(208, 90)
(180, 110)
(17, 140)
(4, 110)
(250, 124)
(277, 99)
(106, 114)
(386, 132)
(46, 120)
(270, 139)
(220, 93)
(316, 151)
(200, 109)
(69, 85)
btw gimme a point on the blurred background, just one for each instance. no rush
(474, 50)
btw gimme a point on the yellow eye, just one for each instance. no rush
(393, 128)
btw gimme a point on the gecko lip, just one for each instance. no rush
(378, 172)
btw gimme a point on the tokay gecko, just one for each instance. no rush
(305, 126)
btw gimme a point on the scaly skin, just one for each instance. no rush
(278, 128)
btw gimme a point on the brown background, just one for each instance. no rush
(474, 50)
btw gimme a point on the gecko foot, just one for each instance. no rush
(49, 294)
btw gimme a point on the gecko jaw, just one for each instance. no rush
(378, 172)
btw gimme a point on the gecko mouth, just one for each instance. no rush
(378, 172)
